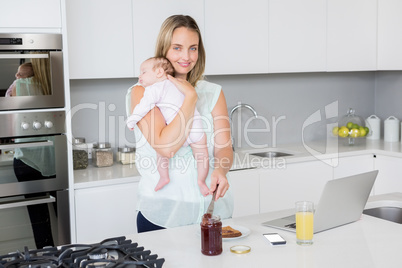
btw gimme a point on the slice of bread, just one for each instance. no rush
(228, 232)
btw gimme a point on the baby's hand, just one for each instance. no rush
(183, 85)
(130, 123)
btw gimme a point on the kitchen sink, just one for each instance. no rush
(393, 214)
(271, 154)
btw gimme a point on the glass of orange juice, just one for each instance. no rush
(304, 222)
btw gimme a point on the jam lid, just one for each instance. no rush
(240, 249)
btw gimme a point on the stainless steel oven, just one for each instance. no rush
(31, 71)
(34, 204)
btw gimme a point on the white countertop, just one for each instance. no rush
(118, 173)
(369, 242)
(101, 176)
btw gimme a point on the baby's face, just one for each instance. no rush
(147, 74)
(22, 73)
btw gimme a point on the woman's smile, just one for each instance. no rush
(184, 64)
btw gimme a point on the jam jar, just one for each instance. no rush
(211, 235)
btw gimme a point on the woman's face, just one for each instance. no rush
(183, 51)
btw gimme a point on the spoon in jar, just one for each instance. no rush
(210, 209)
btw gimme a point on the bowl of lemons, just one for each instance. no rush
(351, 128)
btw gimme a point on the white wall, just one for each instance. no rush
(294, 96)
(388, 95)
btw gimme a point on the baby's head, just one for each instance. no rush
(155, 70)
(25, 70)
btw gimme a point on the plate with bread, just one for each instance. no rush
(232, 232)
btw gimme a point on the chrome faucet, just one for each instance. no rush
(238, 106)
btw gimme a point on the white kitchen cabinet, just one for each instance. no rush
(105, 211)
(236, 36)
(100, 39)
(283, 185)
(352, 165)
(30, 14)
(245, 185)
(389, 177)
(297, 36)
(148, 17)
(352, 35)
(389, 35)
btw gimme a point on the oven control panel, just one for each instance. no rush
(32, 124)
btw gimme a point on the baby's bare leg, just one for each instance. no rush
(200, 153)
(163, 169)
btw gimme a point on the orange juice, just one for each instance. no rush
(304, 226)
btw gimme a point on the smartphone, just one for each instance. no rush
(275, 239)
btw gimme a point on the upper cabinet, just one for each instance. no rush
(30, 14)
(389, 35)
(100, 39)
(109, 39)
(236, 36)
(148, 17)
(297, 36)
(352, 35)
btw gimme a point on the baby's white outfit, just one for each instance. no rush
(168, 99)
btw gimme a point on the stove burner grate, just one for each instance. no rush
(110, 253)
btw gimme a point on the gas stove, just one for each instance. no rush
(117, 252)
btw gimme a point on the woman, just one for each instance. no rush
(180, 202)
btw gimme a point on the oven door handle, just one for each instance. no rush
(23, 203)
(24, 56)
(26, 145)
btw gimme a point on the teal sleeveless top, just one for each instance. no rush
(180, 201)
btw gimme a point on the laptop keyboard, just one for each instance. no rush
(292, 225)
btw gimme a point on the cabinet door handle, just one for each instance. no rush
(27, 202)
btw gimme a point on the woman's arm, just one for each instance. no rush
(167, 139)
(223, 153)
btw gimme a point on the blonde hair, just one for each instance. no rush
(41, 69)
(164, 41)
(164, 63)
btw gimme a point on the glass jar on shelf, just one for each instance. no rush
(102, 155)
(126, 155)
(80, 154)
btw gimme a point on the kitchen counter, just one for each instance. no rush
(116, 174)
(318, 150)
(101, 176)
(369, 242)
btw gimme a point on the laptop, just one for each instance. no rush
(342, 201)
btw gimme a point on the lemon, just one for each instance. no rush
(354, 133)
(367, 130)
(343, 132)
(363, 131)
(349, 125)
(335, 131)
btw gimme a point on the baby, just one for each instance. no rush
(160, 92)
(25, 70)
